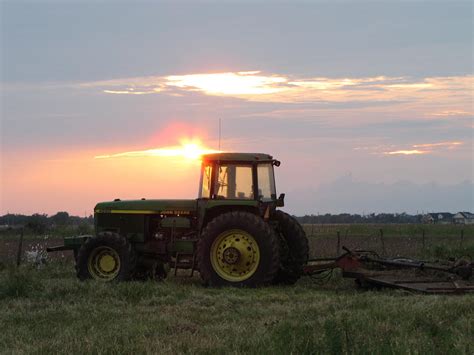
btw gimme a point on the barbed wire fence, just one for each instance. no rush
(327, 241)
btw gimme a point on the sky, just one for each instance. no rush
(368, 105)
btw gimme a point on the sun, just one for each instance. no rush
(189, 150)
(192, 151)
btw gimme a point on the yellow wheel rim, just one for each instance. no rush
(235, 255)
(104, 263)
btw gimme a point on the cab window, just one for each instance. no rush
(234, 182)
(266, 182)
(206, 182)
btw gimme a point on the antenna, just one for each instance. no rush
(219, 133)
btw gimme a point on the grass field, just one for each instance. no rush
(47, 311)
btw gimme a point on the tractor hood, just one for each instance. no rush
(168, 207)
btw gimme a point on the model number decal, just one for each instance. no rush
(174, 212)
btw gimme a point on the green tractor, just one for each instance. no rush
(232, 233)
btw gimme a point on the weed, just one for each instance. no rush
(16, 283)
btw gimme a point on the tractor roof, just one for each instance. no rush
(237, 157)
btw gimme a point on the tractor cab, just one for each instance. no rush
(238, 176)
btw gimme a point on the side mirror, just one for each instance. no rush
(281, 200)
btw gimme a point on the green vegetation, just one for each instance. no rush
(390, 230)
(49, 311)
(59, 225)
(50, 232)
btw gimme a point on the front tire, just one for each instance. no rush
(238, 249)
(106, 257)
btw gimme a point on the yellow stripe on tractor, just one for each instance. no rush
(127, 211)
(144, 212)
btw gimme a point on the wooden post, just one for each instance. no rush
(423, 239)
(382, 240)
(312, 229)
(462, 237)
(20, 247)
(338, 242)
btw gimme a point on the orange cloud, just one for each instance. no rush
(256, 86)
(228, 84)
(440, 144)
(425, 148)
(407, 152)
(451, 113)
(132, 91)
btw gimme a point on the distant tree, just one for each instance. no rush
(13, 219)
(38, 223)
(60, 218)
(356, 218)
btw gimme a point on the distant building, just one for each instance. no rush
(438, 218)
(463, 218)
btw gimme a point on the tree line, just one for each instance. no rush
(41, 223)
(328, 218)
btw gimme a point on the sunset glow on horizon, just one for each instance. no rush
(192, 150)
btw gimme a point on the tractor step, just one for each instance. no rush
(184, 261)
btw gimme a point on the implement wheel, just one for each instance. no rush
(105, 257)
(238, 249)
(294, 249)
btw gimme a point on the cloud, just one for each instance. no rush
(413, 149)
(440, 144)
(451, 113)
(425, 148)
(229, 84)
(407, 152)
(260, 87)
(364, 98)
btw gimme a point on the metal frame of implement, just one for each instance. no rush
(371, 270)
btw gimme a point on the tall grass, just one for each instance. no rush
(58, 314)
(17, 283)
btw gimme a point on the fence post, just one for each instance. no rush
(20, 247)
(462, 237)
(382, 240)
(423, 239)
(338, 242)
(312, 228)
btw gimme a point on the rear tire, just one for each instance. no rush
(294, 249)
(238, 249)
(106, 257)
